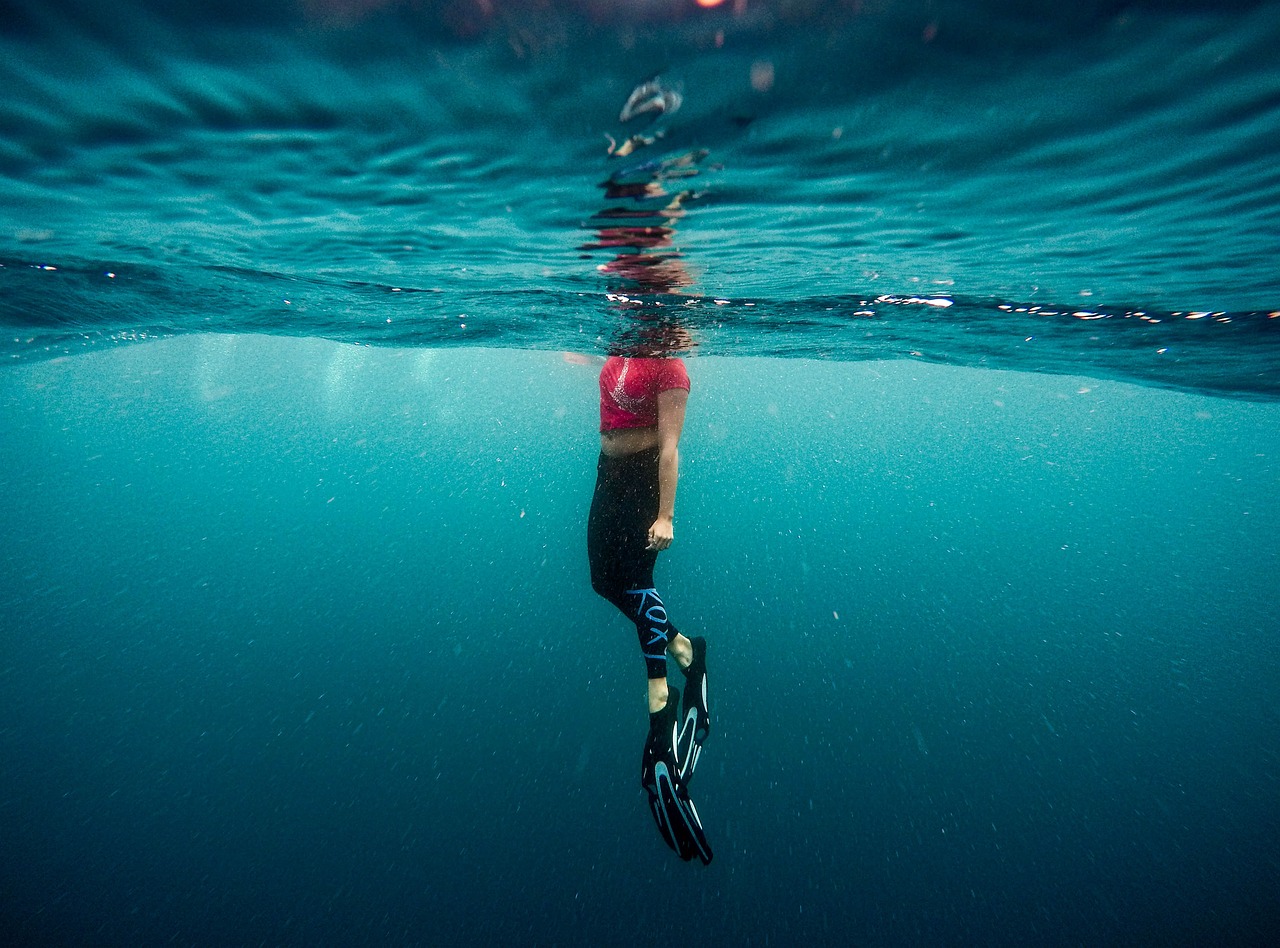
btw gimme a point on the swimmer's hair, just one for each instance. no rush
(653, 339)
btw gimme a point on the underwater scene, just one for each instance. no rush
(303, 310)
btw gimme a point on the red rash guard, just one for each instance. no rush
(629, 390)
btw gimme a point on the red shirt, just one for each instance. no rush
(629, 390)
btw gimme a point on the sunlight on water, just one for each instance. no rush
(342, 379)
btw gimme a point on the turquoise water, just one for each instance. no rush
(300, 306)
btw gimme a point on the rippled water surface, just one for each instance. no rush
(1091, 189)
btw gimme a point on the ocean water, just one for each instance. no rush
(301, 308)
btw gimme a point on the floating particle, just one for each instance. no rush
(762, 75)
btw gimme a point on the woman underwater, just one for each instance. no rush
(642, 410)
(644, 390)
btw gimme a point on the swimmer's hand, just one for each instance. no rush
(661, 534)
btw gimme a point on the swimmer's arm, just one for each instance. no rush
(671, 408)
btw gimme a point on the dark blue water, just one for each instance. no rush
(297, 434)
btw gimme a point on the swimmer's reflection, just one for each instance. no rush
(642, 230)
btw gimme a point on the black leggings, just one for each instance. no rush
(623, 509)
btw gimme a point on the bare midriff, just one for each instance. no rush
(620, 442)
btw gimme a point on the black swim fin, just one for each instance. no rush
(696, 720)
(674, 813)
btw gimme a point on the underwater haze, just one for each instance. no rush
(302, 306)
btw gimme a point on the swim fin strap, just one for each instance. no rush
(661, 772)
